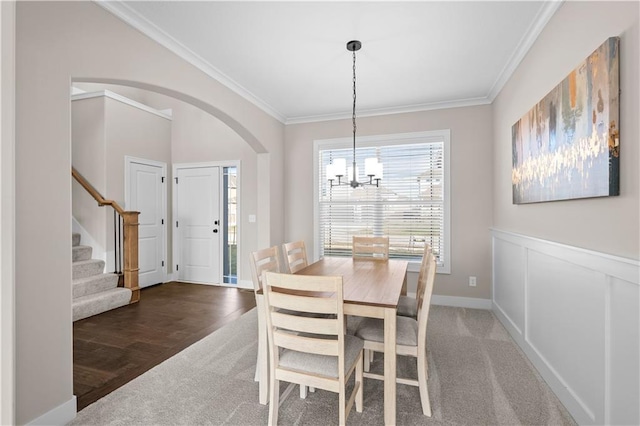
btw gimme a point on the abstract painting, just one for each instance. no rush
(567, 146)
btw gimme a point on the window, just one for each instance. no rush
(230, 234)
(411, 205)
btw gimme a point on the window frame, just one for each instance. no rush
(443, 136)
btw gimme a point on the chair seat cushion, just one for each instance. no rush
(323, 365)
(372, 329)
(407, 307)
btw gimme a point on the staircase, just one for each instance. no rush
(94, 292)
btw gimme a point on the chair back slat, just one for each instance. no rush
(376, 248)
(300, 324)
(306, 344)
(295, 255)
(292, 302)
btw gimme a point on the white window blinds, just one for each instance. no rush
(408, 206)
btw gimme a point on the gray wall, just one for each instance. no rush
(197, 136)
(104, 131)
(471, 190)
(88, 158)
(56, 43)
(608, 224)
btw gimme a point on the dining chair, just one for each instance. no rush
(295, 254)
(265, 260)
(411, 339)
(409, 306)
(311, 351)
(371, 248)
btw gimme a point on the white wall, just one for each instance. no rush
(576, 314)
(57, 43)
(471, 190)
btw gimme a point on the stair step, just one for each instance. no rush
(94, 284)
(87, 268)
(94, 304)
(82, 253)
(75, 238)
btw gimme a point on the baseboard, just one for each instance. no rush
(461, 302)
(60, 415)
(246, 284)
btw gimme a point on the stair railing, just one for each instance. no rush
(129, 235)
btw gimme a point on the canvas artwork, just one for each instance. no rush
(567, 146)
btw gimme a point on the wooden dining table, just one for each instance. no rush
(372, 289)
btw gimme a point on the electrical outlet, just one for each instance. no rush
(472, 281)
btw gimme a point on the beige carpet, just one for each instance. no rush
(477, 376)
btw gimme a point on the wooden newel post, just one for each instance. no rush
(130, 254)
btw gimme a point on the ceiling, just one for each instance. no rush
(290, 58)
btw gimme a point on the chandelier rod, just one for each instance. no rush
(353, 116)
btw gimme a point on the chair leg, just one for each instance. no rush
(342, 409)
(360, 383)
(262, 363)
(422, 384)
(303, 392)
(367, 360)
(274, 401)
(312, 389)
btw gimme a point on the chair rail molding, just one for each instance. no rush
(576, 315)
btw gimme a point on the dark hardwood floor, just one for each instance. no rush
(115, 347)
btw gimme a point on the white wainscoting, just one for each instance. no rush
(576, 314)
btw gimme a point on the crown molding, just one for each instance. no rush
(536, 27)
(146, 27)
(109, 94)
(391, 110)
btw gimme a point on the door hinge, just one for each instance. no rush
(162, 222)
(176, 180)
(163, 263)
(176, 223)
(177, 268)
(162, 179)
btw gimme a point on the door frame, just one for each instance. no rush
(221, 165)
(128, 161)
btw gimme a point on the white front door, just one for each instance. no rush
(146, 194)
(197, 224)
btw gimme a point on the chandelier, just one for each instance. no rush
(338, 170)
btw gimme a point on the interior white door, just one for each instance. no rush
(197, 195)
(146, 195)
